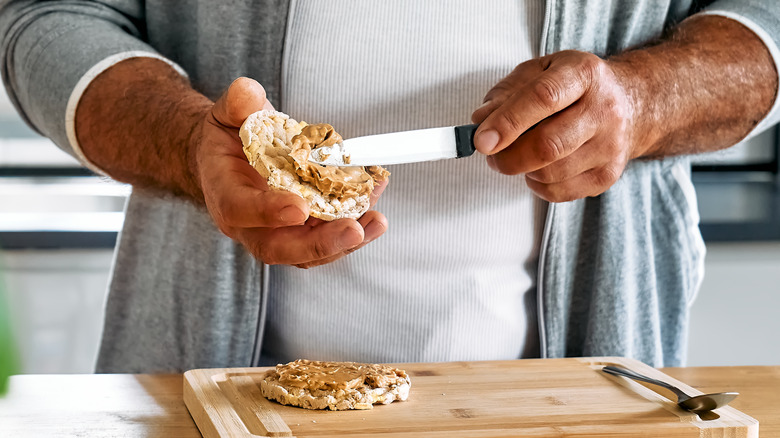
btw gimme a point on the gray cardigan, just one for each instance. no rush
(617, 273)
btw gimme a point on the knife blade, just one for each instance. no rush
(399, 147)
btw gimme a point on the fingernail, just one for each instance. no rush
(349, 238)
(486, 141)
(291, 214)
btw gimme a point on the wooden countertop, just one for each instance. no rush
(152, 406)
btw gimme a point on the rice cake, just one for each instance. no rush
(335, 385)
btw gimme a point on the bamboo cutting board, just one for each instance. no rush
(531, 398)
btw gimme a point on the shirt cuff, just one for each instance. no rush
(774, 113)
(81, 86)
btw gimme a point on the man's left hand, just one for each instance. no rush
(565, 120)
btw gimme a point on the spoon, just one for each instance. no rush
(697, 404)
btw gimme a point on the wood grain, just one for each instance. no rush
(758, 387)
(103, 405)
(236, 397)
(143, 405)
(538, 398)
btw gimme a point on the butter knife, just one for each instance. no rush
(399, 147)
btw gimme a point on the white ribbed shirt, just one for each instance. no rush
(454, 276)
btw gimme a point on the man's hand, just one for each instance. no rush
(143, 124)
(571, 121)
(564, 120)
(271, 224)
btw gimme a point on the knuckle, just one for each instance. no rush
(616, 150)
(557, 193)
(265, 253)
(511, 122)
(499, 91)
(551, 147)
(591, 66)
(262, 252)
(263, 248)
(544, 175)
(612, 174)
(320, 249)
(549, 193)
(606, 176)
(547, 93)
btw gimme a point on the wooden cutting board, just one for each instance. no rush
(531, 398)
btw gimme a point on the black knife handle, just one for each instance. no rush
(464, 140)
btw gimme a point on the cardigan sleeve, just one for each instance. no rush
(52, 49)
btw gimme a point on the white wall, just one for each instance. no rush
(735, 320)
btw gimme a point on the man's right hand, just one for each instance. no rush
(274, 225)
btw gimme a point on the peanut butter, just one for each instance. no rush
(319, 375)
(331, 192)
(265, 145)
(339, 182)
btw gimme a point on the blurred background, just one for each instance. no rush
(58, 225)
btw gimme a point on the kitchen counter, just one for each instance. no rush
(152, 406)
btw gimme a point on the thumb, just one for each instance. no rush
(244, 97)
